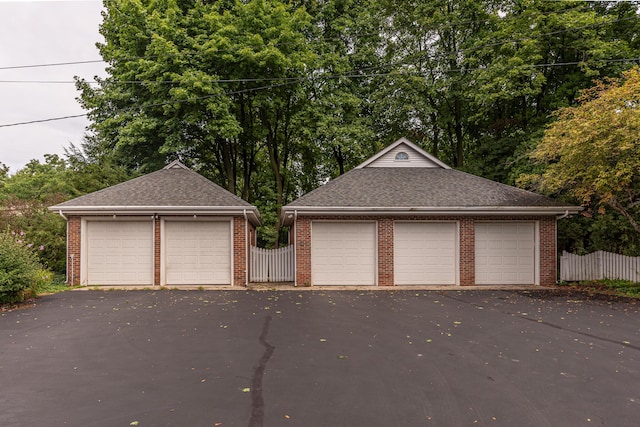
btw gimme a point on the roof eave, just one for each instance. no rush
(291, 212)
(250, 212)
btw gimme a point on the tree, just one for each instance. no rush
(593, 149)
(536, 60)
(209, 83)
(26, 195)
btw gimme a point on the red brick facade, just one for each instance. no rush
(548, 251)
(243, 234)
(157, 251)
(467, 252)
(385, 252)
(301, 235)
(74, 224)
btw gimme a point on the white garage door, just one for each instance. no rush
(197, 252)
(505, 253)
(343, 253)
(425, 253)
(119, 253)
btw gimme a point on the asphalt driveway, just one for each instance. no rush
(319, 358)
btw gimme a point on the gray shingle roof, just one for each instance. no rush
(418, 188)
(173, 189)
(163, 188)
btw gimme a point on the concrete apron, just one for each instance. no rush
(291, 287)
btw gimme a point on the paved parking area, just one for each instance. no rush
(320, 358)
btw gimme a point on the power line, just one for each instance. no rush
(52, 119)
(54, 64)
(293, 81)
(351, 74)
(159, 104)
(323, 39)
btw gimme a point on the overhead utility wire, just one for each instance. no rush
(159, 104)
(448, 25)
(352, 74)
(179, 101)
(55, 64)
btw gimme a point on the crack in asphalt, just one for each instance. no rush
(551, 325)
(257, 399)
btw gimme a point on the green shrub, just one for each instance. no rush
(18, 268)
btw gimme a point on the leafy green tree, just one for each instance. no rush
(38, 181)
(209, 83)
(269, 98)
(427, 91)
(592, 150)
(338, 128)
(536, 59)
(26, 195)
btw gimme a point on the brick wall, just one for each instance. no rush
(240, 247)
(302, 232)
(547, 239)
(240, 250)
(548, 252)
(385, 252)
(157, 251)
(74, 239)
(467, 241)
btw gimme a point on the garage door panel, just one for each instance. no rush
(425, 253)
(343, 253)
(119, 253)
(505, 253)
(198, 252)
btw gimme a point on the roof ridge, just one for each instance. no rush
(176, 164)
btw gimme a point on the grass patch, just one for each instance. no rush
(621, 288)
(53, 286)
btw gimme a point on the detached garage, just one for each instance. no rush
(172, 227)
(405, 218)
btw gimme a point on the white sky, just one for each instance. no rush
(44, 32)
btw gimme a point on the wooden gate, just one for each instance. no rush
(272, 265)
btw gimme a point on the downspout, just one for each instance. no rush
(295, 246)
(67, 250)
(564, 215)
(247, 250)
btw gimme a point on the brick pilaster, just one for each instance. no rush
(156, 251)
(548, 251)
(240, 248)
(74, 239)
(385, 252)
(467, 252)
(302, 232)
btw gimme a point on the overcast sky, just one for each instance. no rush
(44, 32)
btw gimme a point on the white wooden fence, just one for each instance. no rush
(599, 265)
(272, 265)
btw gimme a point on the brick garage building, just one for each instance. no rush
(405, 218)
(172, 227)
